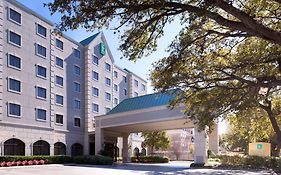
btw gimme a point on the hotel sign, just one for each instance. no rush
(102, 49)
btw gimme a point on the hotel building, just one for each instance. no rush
(52, 86)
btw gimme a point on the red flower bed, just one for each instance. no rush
(23, 163)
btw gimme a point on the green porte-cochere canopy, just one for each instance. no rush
(143, 102)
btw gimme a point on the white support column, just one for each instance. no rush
(214, 140)
(125, 150)
(99, 140)
(200, 153)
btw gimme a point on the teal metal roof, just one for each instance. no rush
(143, 102)
(88, 40)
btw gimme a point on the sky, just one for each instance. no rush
(141, 67)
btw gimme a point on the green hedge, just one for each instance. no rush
(94, 160)
(149, 159)
(97, 159)
(252, 161)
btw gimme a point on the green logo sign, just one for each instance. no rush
(102, 49)
(259, 146)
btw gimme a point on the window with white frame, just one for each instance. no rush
(59, 62)
(41, 114)
(143, 87)
(115, 74)
(41, 51)
(136, 94)
(107, 96)
(95, 107)
(41, 92)
(41, 30)
(14, 110)
(107, 81)
(59, 80)
(77, 70)
(95, 60)
(59, 44)
(59, 100)
(14, 61)
(116, 101)
(107, 109)
(14, 85)
(125, 79)
(95, 75)
(77, 122)
(77, 87)
(14, 38)
(95, 91)
(59, 119)
(107, 67)
(14, 16)
(136, 82)
(77, 104)
(41, 71)
(76, 53)
(115, 87)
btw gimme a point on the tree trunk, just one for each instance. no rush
(274, 124)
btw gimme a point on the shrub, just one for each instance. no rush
(94, 160)
(41, 160)
(210, 154)
(251, 161)
(149, 159)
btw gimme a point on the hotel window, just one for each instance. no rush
(41, 114)
(59, 80)
(107, 96)
(143, 87)
(14, 16)
(125, 91)
(136, 94)
(95, 75)
(116, 101)
(95, 107)
(14, 38)
(42, 31)
(107, 81)
(115, 87)
(115, 74)
(14, 110)
(77, 104)
(14, 61)
(77, 87)
(14, 85)
(107, 109)
(107, 67)
(76, 53)
(136, 83)
(125, 79)
(95, 91)
(59, 62)
(59, 100)
(41, 71)
(59, 44)
(77, 70)
(41, 50)
(59, 119)
(41, 93)
(95, 60)
(77, 122)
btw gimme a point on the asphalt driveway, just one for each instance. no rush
(173, 168)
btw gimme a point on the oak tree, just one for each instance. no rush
(226, 58)
(156, 140)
